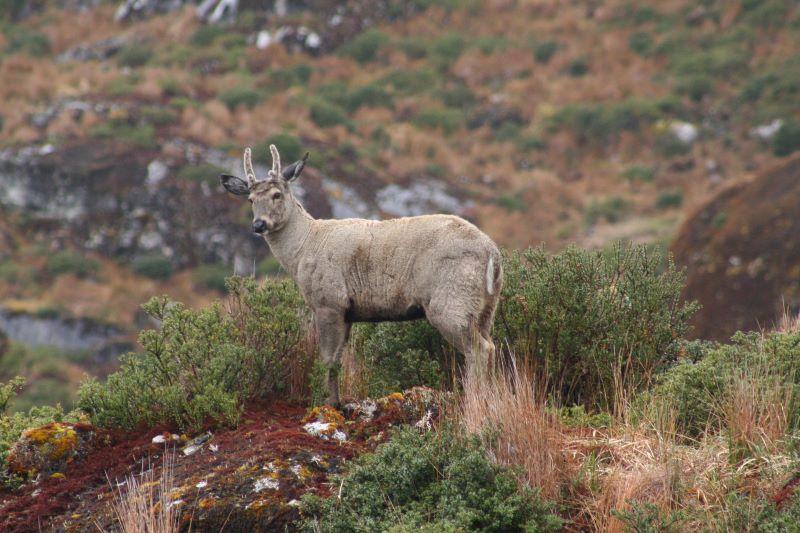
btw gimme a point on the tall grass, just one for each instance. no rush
(509, 408)
(144, 505)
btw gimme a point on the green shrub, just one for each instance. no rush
(721, 60)
(142, 136)
(641, 43)
(200, 366)
(430, 482)
(365, 46)
(298, 74)
(669, 199)
(578, 67)
(489, 44)
(204, 172)
(531, 143)
(68, 262)
(211, 277)
(668, 144)
(695, 389)
(446, 49)
(459, 96)
(154, 266)
(448, 120)
(512, 202)
(291, 149)
(601, 123)
(327, 115)
(158, 116)
(611, 210)
(787, 138)
(206, 35)
(581, 317)
(412, 81)
(696, 86)
(28, 41)
(413, 48)
(241, 96)
(370, 95)
(400, 355)
(639, 173)
(134, 55)
(544, 51)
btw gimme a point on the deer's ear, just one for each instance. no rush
(234, 185)
(293, 171)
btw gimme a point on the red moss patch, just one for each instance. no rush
(245, 478)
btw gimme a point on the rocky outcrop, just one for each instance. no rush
(125, 201)
(741, 249)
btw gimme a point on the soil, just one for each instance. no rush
(248, 478)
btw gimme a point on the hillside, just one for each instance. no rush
(542, 121)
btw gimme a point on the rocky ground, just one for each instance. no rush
(244, 479)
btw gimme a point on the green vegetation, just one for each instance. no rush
(142, 136)
(602, 123)
(201, 365)
(241, 96)
(787, 139)
(593, 320)
(69, 262)
(578, 67)
(211, 276)
(326, 115)
(365, 46)
(544, 51)
(154, 266)
(412, 81)
(204, 172)
(669, 199)
(397, 356)
(29, 42)
(447, 120)
(446, 49)
(290, 147)
(437, 481)
(640, 173)
(611, 210)
(699, 388)
(135, 55)
(641, 42)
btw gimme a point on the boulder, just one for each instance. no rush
(741, 249)
(50, 448)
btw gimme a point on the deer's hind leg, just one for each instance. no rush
(456, 318)
(333, 332)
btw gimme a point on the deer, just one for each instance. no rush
(439, 267)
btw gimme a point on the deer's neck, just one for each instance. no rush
(287, 243)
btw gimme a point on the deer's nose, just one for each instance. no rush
(259, 226)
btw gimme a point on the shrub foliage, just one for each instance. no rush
(201, 365)
(430, 482)
(590, 320)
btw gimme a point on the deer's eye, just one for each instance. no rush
(276, 196)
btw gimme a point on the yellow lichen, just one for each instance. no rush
(325, 414)
(58, 475)
(206, 503)
(396, 396)
(56, 439)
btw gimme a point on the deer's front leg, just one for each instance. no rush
(333, 332)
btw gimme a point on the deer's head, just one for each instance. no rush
(271, 197)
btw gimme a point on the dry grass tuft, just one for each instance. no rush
(145, 506)
(511, 410)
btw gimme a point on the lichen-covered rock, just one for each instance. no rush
(326, 423)
(50, 448)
